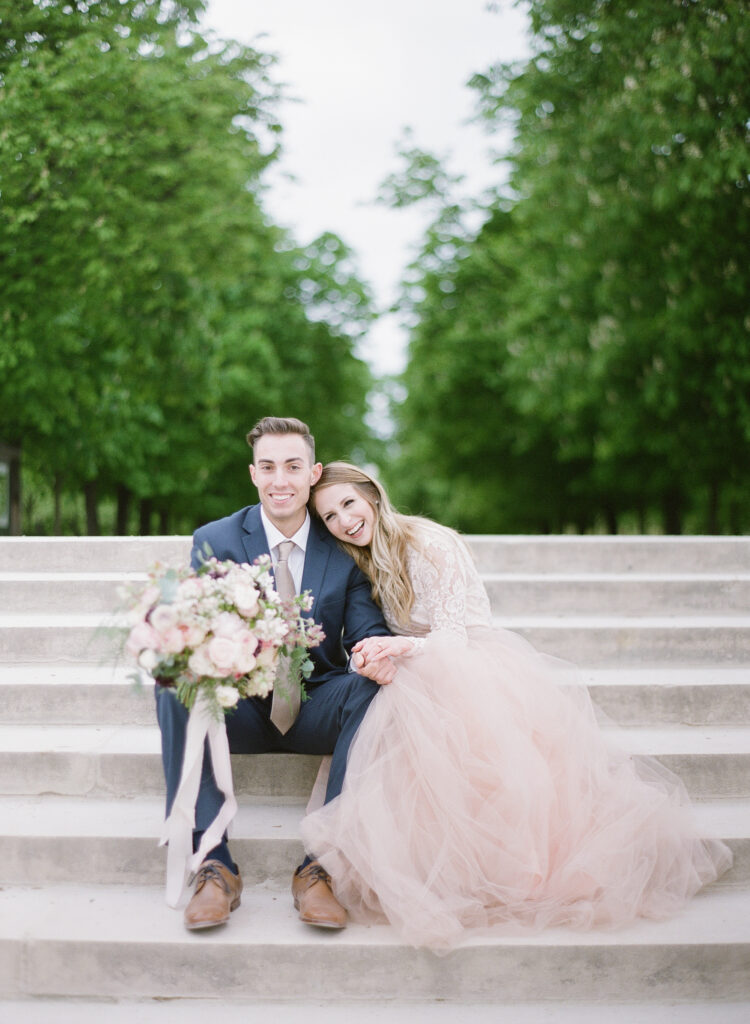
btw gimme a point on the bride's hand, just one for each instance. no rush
(375, 648)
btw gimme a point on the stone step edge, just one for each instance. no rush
(60, 674)
(141, 739)
(269, 817)
(110, 941)
(241, 1011)
(124, 914)
(704, 621)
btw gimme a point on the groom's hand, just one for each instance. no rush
(381, 671)
(373, 657)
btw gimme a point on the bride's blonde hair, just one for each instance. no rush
(384, 560)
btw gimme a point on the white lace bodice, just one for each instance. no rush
(448, 593)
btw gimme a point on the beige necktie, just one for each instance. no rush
(286, 693)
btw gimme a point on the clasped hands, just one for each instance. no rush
(373, 656)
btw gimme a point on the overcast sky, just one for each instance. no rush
(363, 70)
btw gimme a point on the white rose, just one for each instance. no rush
(246, 598)
(148, 660)
(189, 589)
(227, 624)
(267, 657)
(227, 696)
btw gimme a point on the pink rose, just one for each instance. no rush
(173, 641)
(224, 652)
(163, 617)
(246, 660)
(141, 637)
(193, 633)
(200, 663)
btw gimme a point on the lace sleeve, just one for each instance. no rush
(441, 580)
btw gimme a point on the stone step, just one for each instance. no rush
(601, 641)
(52, 839)
(628, 594)
(708, 696)
(623, 594)
(64, 593)
(607, 554)
(620, 641)
(197, 1011)
(124, 761)
(91, 554)
(71, 694)
(514, 554)
(84, 941)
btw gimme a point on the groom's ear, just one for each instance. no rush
(316, 471)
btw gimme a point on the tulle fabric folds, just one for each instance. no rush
(481, 793)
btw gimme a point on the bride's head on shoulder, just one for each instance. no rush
(356, 510)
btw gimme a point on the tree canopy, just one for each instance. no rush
(151, 312)
(583, 360)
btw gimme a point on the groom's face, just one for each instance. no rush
(283, 472)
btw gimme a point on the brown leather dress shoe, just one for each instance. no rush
(311, 889)
(217, 894)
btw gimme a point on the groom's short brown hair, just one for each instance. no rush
(282, 425)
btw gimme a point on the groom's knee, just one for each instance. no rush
(360, 692)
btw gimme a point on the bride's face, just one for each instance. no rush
(348, 516)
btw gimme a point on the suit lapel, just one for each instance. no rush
(316, 560)
(254, 539)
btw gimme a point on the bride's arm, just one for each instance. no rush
(440, 576)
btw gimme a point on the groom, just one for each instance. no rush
(283, 469)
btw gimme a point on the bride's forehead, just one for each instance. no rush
(334, 494)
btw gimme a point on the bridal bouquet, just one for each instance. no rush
(215, 635)
(218, 631)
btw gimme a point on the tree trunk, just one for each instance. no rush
(124, 496)
(144, 517)
(92, 509)
(642, 519)
(712, 518)
(610, 517)
(57, 527)
(672, 512)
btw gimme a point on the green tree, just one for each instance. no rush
(150, 310)
(597, 323)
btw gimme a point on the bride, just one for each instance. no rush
(480, 790)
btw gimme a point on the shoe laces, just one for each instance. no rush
(209, 872)
(315, 873)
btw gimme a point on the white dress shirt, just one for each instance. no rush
(274, 537)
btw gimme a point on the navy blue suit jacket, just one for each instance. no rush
(342, 603)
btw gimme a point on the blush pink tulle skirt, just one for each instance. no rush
(481, 793)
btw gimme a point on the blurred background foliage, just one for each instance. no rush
(580, 360)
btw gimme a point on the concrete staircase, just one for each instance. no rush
(661, 630)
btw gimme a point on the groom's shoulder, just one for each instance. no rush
(224, 538)
(229, 524)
